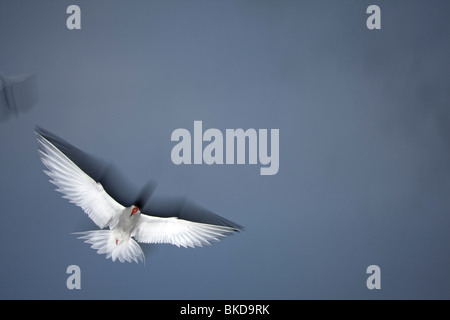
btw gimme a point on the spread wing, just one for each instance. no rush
(77, 186)
(178, 232)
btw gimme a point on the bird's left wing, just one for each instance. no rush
(178, 232)
(78, 187)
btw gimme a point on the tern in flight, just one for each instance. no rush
(106, 197)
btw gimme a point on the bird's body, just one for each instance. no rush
(126, 222)
(118, 242)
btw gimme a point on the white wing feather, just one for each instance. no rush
(178, 232)
(78, 187)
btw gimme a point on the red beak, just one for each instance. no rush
(134, 210)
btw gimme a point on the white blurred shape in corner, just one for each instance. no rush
(17, 94)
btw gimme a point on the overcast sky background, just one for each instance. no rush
(364, 120)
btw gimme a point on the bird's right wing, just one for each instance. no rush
(178, 232)
(77, 186)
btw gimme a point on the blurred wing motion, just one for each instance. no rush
(77, 186)
(166, 207)
(111, 179)
(182, 223)
(99, 189)
(17, 94)
(178, 232)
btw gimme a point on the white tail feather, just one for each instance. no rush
(104, 241)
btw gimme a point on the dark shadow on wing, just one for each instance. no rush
(119, 188)
(182, 208)
(112, 180)
(145, 194)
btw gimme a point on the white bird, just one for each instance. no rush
(127, 222)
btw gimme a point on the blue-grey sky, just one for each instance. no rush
(364, 122)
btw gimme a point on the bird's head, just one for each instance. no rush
(134, 210)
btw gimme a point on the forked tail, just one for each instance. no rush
(105, 242)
